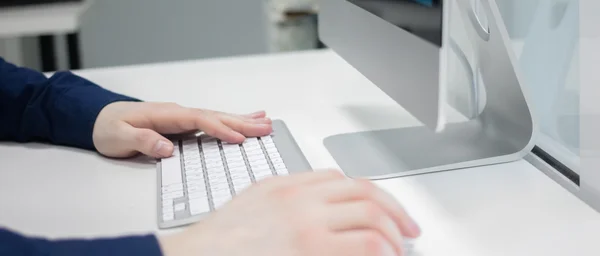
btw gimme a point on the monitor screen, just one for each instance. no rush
(422, 18)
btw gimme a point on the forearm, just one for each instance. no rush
(12, 243)
(61, 109)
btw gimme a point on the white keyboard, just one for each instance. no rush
(204, 173)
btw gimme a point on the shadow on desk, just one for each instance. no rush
(380, 152)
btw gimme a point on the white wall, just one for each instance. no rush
(123, 32)
(11, 50)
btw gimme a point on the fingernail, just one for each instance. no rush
(163, 148)
(256, 113)
(265, 120)
(414, 228)
(387, 250)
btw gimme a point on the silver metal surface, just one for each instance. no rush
(407, 68)
(401, 66)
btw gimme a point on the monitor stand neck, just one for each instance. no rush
(503, 132)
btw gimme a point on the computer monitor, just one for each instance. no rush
(410, 49)
(400, 45)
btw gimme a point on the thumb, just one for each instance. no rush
(150, 143)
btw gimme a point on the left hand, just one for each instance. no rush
(123, 129)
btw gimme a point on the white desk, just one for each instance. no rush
(511, 209)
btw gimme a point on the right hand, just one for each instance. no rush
(313, 213)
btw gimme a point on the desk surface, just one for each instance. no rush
(41, 19)
(510, 209)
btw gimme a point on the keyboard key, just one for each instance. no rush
(215, 174)
(239, 173)
(198, 195)
(234, 159)
(191, 183)
(196, 188)
(199, 206)
(215, 167)
(210, 152)
(168, 216)
(259, 171)
(220, 201)
(171, 169)
(276, 160)
(191, 151)
(172, 188)
(230, 147)
(274, 155)
(262, 177)
(260, 166)
(219, 187)
(271, 148)
(252, 147)
(179, 207)
(266, 139)
(167, 203)
(236, 164)
(279, 166)
(194, 178)
(240, 184)
(172, 195)
(282, 171)
(194, 172)
(251, 140)
(193, 167)
(168, 207)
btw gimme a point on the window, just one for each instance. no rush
(545, 35)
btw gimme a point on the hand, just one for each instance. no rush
(313, 213)
(123, 129)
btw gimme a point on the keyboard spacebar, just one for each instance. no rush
(171, 170)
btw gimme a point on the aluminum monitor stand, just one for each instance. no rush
(503, 132)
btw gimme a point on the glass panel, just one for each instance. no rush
(545, 35)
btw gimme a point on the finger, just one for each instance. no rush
(255, 118)
(247, 129)
(148, 142)
(365, 215)
(214, 127)
(351, 190)
(264, 120)
(256, 115)
(361, 243)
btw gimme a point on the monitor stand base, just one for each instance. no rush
(392, 153)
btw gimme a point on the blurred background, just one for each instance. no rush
(49, 35)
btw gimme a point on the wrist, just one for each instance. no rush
(176, 245)
(169, 245)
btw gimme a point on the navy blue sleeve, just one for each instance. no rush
(14, 244)
(61, 109)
